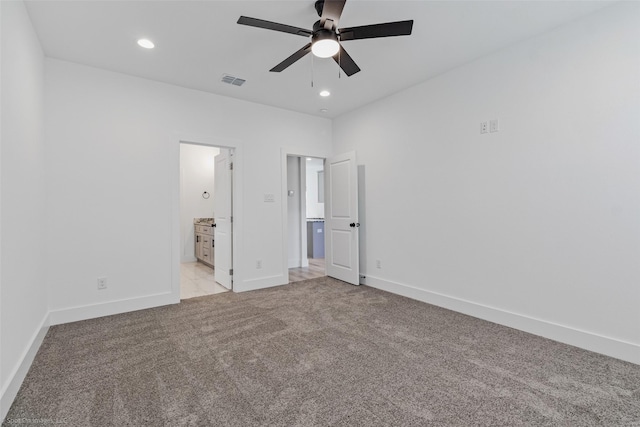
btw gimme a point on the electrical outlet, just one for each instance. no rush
(102, 283)
(484, 127)
(378, 264)
(259, 263)
(494, 126)
(269, 198)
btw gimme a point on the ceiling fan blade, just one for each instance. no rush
(268, 25)
(347, 64)
(389, 29)
(332, 9)
(293, 58)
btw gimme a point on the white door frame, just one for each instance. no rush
(222, 202)
(284, 153)
(301, 200)
(238, 212)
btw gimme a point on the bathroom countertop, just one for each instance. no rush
(204, 221)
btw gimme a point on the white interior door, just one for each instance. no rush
(341, 219)
(222, 234)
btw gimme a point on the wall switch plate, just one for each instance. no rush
(102, 283)
(494, 125)
(378, 264)
(259, 264)
(484, 127)
(269, 198)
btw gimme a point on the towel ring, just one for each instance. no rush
(205, 195)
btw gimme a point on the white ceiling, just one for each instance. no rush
(199, 41)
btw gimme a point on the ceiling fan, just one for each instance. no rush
(326, 37)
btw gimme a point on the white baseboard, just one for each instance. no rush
(15, 379)
(74, 314)
(562, 333)
(260, 283)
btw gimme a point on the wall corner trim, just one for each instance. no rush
(13, 383)
(586, 340)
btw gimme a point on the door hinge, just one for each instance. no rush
(231, 166)
(231, 272)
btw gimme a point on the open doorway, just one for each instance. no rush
(205, 219)
(305, 217)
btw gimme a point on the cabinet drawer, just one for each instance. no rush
(206, 254)
(206, 240)
(204, 229)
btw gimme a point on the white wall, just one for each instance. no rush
(113, 166)
(23, 304)
(314, 208)
(536, 226)
(197, 174)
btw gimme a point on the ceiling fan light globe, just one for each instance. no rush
(324, 43)
(325, 48)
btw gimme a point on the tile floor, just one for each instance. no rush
(196, 280)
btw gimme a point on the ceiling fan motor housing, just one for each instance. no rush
(323, 34)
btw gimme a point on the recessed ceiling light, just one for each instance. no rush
(308, 159)
(325, 93)
(146, 43)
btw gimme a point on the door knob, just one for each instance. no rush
(354, 224)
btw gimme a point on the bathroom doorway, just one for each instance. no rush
(305, 218)
(205, 187)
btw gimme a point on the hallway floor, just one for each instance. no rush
(196, 280)
(316, 269)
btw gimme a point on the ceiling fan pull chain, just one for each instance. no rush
(311, 70)
(340, 62)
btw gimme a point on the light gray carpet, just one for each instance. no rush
(319, 352)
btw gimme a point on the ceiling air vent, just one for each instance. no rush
(226, 78)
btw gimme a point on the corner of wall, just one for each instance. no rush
(13, 383)
(583, 339)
